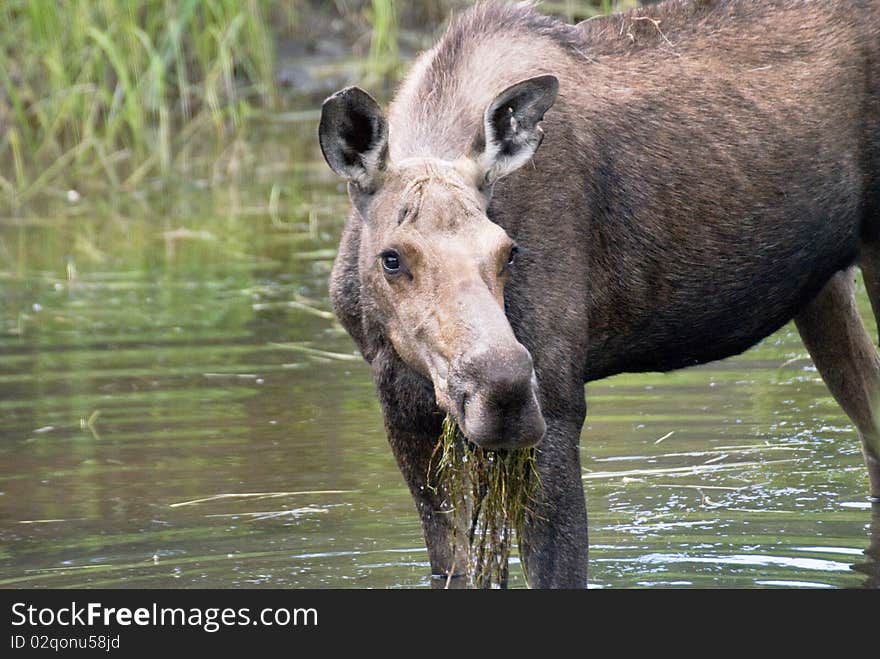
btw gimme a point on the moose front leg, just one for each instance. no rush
(447, 549)
(554, 547)
(413, 424)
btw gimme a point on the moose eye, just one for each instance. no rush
(390, 262)
(512, 256)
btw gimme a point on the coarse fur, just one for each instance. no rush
(708, 167)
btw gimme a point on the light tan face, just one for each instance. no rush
(435, 268)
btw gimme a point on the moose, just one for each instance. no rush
(708, 171)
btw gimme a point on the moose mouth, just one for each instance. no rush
(494, 398)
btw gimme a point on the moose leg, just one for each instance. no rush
(844, 353)
(554, 547)
(414, 451)
(413, 426)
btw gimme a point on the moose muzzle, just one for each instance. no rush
(495, 391)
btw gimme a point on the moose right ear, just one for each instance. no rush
(354, 138)
(511, 131)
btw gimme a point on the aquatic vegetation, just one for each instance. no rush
(490, 492)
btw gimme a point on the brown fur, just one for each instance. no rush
(708, 169)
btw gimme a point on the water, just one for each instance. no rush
(178, 409)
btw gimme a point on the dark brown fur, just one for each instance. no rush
(708, 168)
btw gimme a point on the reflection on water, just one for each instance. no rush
(179, 409)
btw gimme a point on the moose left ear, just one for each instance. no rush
(353, 134)
(511, 133)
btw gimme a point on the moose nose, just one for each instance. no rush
(498, 399)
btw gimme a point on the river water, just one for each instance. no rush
(178, 408)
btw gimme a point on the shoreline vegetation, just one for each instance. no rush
(123, 97)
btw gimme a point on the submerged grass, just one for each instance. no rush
(490, 495)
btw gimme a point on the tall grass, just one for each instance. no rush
(108, 90)
(384, 60)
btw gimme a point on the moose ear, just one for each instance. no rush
(354, 137)
(511, 134)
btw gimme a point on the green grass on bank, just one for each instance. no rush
(115, 89)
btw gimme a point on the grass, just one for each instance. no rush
(384, 60)
(117, 90)
(490, 495)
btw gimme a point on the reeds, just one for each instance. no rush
(110, 90)
(384, 61)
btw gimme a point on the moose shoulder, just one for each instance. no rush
(707, 171)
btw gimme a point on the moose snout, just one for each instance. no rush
(496, 392)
